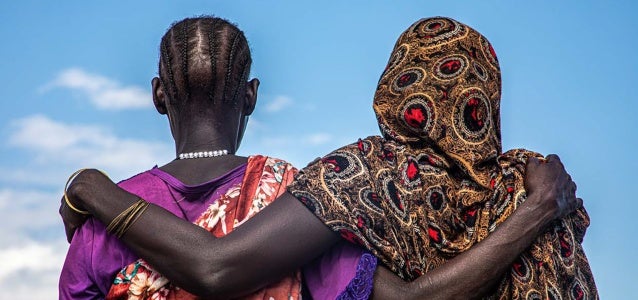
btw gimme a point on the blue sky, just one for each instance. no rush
(76, 93)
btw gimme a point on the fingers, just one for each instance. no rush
(532, 164)
(72, 220)
(568, 203)
(69, 232)
(579, 203)
(552, 157)
(61, 207)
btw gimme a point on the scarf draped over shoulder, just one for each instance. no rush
(264, 180)
(437, 182)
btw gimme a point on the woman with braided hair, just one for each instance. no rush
(434, 199)
(203, 89)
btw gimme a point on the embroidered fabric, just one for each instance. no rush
(361, 285)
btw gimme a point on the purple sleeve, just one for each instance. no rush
(76, 279)
(344, 272)
(93, 259)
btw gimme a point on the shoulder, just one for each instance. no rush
(349, 155)
(274, 163)
(140, 179)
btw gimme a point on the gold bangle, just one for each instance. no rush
(120, 218)
(66, 198)
(124, 220)
(133, 218)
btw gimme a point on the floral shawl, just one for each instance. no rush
(264, 180)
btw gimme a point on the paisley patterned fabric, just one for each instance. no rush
(265, 179)
(437, 182)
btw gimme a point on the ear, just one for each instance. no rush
(251, 96)
(159, 97)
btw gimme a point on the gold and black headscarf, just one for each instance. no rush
(437, 182)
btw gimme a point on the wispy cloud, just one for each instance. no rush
(318, 138)
(278, 104)
(103, 92)
(31, 209)
(55, 143)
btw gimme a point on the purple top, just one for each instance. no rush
(94, 257)
(344, 272)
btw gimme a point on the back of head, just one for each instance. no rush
(442, 87)
(204, 59)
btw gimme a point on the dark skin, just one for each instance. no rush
(286, 235)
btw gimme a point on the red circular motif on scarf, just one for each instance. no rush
(450, 67)
(435, 234)
(521, 269)
(480, 72)
(577, 292)
(418, 114)
(407, 78)
(412, 171)
(371, 200)
(438, 29)
(472, 116)
(435, 198)
(397, 58)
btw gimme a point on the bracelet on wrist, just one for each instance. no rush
(66, 198)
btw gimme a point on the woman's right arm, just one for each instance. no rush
(286, 235)
(272, 244)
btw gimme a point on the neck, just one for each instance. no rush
(203, 140)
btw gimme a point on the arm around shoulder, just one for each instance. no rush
(278, 240)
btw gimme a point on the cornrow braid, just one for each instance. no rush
(204, 57)
(165, 57)
(213, 49)
(245, 69)
(184, 55)
(231, 57)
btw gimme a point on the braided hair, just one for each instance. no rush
(204, 58)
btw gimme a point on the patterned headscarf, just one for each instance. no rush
(442, 86)
(437, 182)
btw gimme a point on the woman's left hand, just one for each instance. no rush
(72, 220)
(87, 183)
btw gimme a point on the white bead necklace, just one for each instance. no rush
(199, 154)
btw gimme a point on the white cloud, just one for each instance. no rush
(67, 146)
(318, 138)
(33, 256)
(103, 92)
(30, 209)
(31, 270)
(41, 133)
(32, 246)
(278, 104)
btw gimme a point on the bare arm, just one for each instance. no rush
(271, 245)
(286, 235)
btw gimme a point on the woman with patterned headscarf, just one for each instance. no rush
(437, 182)
(434, 198)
